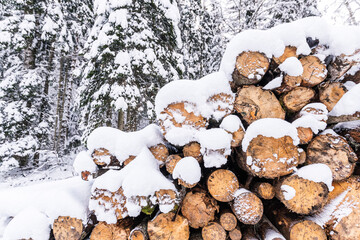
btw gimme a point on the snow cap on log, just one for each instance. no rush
(272, 42)
(124, 144)
(349, 104)
(84, 163)
(187, 170)
(314, 116)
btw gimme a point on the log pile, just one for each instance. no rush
(268, 167)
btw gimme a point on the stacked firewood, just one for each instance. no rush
(274, 162)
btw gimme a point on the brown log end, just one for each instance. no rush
(104, 231)
(222, 185)
(67, 228)
(314, 71)
(160, 152)
(264, 190)
(237, 137)
(102, 157)
(297, 98)
(199, 208)
(193, 150)
(333, 151)
(270, 157)
(330, 94)
(253, 103)
(228, 221)
(137, 235)
(250, 67)
(305, 134)
(307, 230)
(289, 51)
(171, 162)
(212, 231)
(162, 227)
(292, 191)
(235, 234)
(247, 207)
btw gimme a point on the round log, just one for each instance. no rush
(237, 137)
(333, 151)
(250, 67)
(213, 231)
(228, 220)
(264, 190)
(297, 98)
(222, 185)
(330, 94)
(314, 71)
(289, 51)
(247, 207)
(292, 190)
(164, 227)
(103, 158)
(67, 228)
(160, 152)
(302, 158)
(253, 103)
(171, 162)
(269, 157)
(222, 103)
(235, 234)
(104, 231)
(199, 208)
(193, 150)
(305, 134)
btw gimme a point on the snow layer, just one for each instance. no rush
(292, 67)
(309, 121)
(231, 123)
(29, 223)
(271, 235)
(348, 104)
(123, 144)
(272, 42)
(288, 192)
(188, 170)
(269, 127)
(84, 162)
(197, 92)
(317, 172)
(314, 116)
(141, 177)
(275, 83)
(347, 125)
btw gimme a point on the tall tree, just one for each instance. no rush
(129, 59)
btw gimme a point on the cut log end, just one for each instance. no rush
(193, 150)
(160, 152)
(264, 190)
(248, 208)
(171, 162)
(297, 98)
(235, 234)
(330, 94)
(213, 231)
(307, 230)
(164, 227)
(104, 231)
(67, 228)
(222, 185)
(314, 71)
(228, 221)
(305, 134)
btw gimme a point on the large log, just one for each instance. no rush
(222, 185)
(297, 98)
(269, 157)
(253, 103)
(199, 208)
(314, 71)
(292, 190)
(164, 227)
(67, 228)
(247, 207)
(104, 231)
(333, 151)
(292, 226)
(212, 231)
(228, 220)
(330, 93)
(250, 67)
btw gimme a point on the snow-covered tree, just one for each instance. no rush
(131, 52)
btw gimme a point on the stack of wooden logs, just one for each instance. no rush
(262, 199)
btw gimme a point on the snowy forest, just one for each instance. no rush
(68, 67)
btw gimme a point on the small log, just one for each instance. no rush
(139, 232)
(222, 104)
(222, 185)
(160, 152)
(237, 137)
(193, 150)
(292, 226)
(297, 98)
(166, 197)
(253, 103)
(67, 228)
(129, 160)
(288, 83)
(351, 132)
(305, 134)
(314, 71)
(333, 151)
(104, 231)
(212, 231)
(171, 162)
(103, 158)
(247, 207)
(199, 208)
(228, 220)
(249, 233)
(268, 231)
(302, 157)
(250, 67)
(163, 227)
(292, 190)
(264, 190)
(330, 93)
(235, 234)
(289, 51)
(269, 157)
